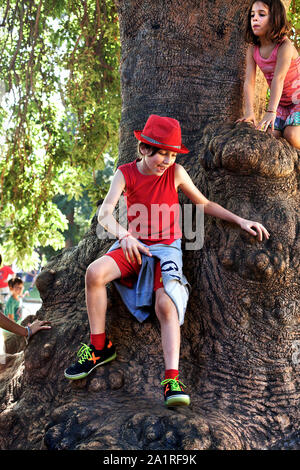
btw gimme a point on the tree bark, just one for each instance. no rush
(181, 59)
(240, 355)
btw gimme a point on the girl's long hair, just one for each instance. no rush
(279, 25)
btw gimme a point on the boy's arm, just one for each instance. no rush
(249, 87)
(105, 216)
(184, 182)
(130, 245)
(284, 58)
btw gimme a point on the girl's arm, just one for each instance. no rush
(184, 182)
(20, 330)
(249, 87)
(7, 324)
(284, 58)
(129, 244)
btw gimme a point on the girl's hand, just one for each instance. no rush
(249, 117)
(267, 120)
(255, 228)
(38, 325)
(132, 249)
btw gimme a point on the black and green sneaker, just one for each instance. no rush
(89, 359)
(174, 394)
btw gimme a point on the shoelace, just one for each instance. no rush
(174, 383)
(84, 353)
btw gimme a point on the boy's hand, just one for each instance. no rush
(132, 249)
(255, 228)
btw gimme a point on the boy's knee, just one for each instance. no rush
(164, 307)
(94, 276)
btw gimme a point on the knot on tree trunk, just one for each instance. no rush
(243, 150)
(255, 176)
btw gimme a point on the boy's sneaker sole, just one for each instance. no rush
(178, 400)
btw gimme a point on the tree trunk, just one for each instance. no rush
(180, 59)
(240, 339)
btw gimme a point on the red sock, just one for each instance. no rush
(98, 341)
(171, 373)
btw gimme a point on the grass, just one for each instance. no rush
(33, 294)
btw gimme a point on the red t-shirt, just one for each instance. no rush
(5, 271)
(153, 209)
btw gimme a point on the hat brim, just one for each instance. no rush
(139, 137)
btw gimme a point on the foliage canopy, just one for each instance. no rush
(294, 17)
(59, 116)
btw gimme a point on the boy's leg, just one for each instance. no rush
(101, 351)
(99, 273)
(170, 329)
(170, 336)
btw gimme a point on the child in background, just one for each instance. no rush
(10, 320)
(10, 284)
(279, 61)
(13, 308)
(153, 179)
(6, 273)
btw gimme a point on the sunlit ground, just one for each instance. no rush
(29, 308)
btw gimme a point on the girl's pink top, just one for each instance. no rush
(290, 92)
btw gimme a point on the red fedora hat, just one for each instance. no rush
(162, 132)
